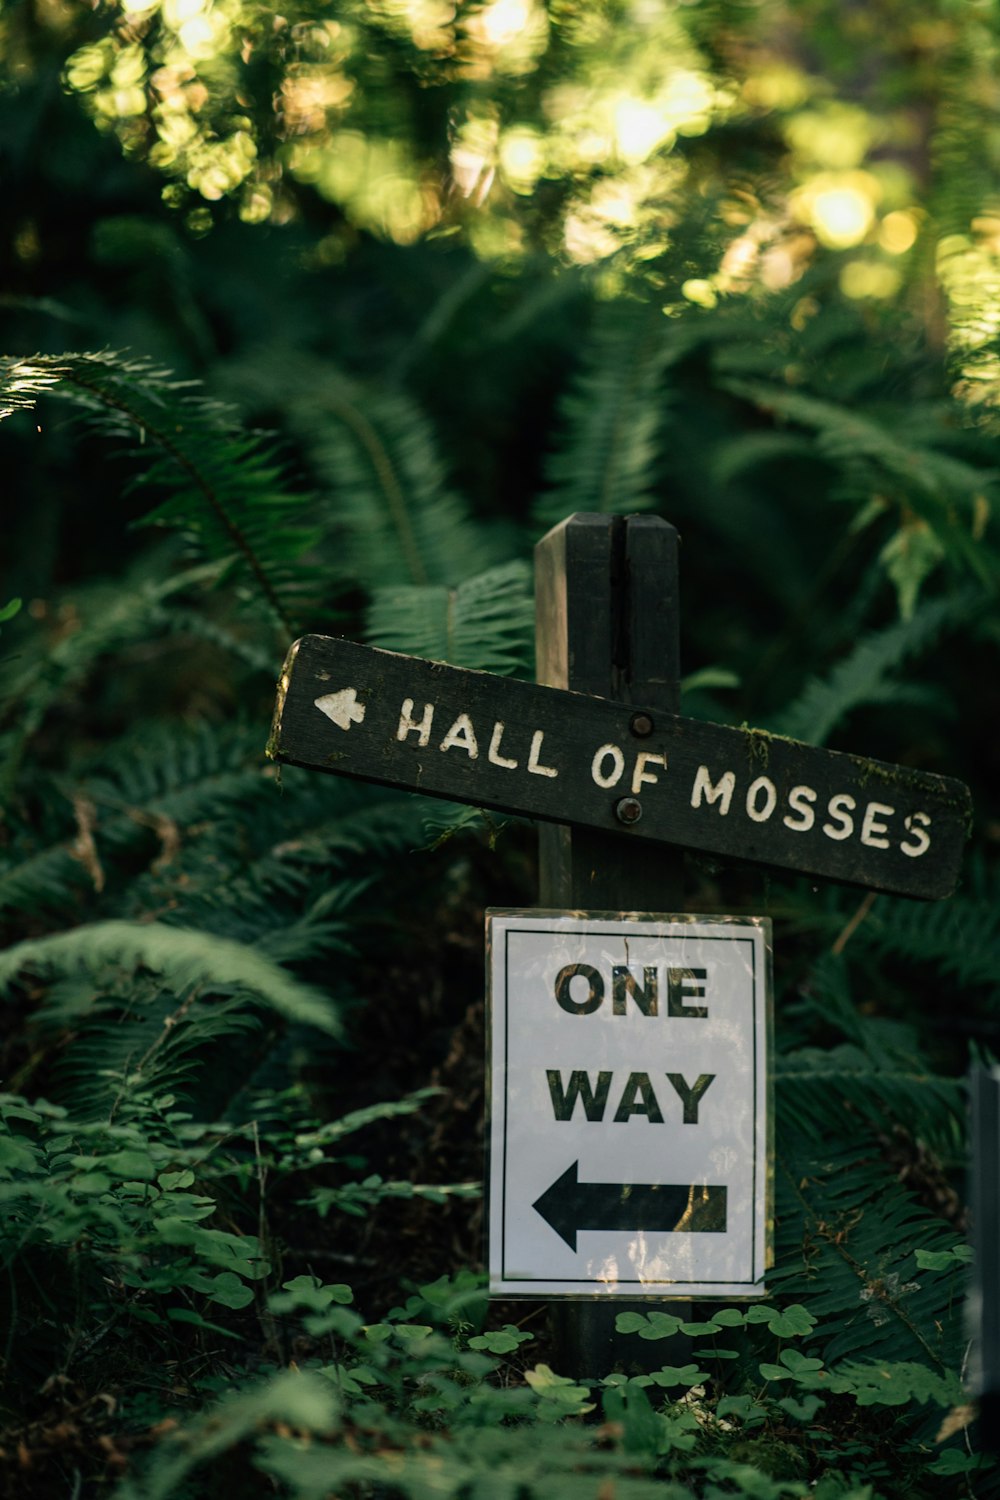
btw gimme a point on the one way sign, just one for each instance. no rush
(630, 1105)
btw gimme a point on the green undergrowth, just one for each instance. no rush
(242, 1006)
(152, 1242)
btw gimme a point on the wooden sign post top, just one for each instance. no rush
(642, 773)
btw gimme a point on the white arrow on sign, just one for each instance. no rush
(343, 707)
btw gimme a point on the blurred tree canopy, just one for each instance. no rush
(715, 148)
(400, 155)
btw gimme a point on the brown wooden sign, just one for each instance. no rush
(646, 774)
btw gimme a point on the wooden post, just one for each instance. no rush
(984, 1311)
(606, 600)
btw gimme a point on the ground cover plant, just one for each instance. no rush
(317, 321)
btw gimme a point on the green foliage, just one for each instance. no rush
(865, 675)
(211, 972)
(226, 487)
(611, 417)
(486, 622)
(937, 492)
(187, 961)
(188, 927)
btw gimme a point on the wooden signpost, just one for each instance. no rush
(631, 770)
(984, 1304)
(621, 784)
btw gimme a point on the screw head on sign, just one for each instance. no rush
(641, 725)
(628, 810)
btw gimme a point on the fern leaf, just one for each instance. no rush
(375, 453)
(149, 1042)
(942, 490)
(850, 1081)
(864, 675)
(611, 419)
(959, 937)
(110, 617)
(182, 957)
(194, 774)
(486, 622)
(846, 1233)
(737, 456)
(223, 486)
(844, 434)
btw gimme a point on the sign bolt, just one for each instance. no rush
(641, 725)
(628, 810)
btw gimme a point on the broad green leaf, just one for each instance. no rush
(804, 1410)
(90, 1182)
(131, 1165)
(309, 1293)
(943, 1260)
(656, 1325)
(686, 1375)
(18, 1156)
(729, 1317)
(500, 1341)
(168, 1181)
(956, 1461)
(228, 1290)
(788, 1323)
(749, 1411)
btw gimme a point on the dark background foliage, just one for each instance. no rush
(317, 321)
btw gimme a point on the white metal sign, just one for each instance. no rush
(630, 1106)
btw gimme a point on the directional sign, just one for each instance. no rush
(629, 1105)
(571, 758)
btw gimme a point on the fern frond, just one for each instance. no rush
(252, 874)
(486, 622)
(41, 881)
(845, 1235)
(357, 823)
(611, 418)
(735, 458)
(847, 1223)
(864, 675)
(820, 1085)
(922, 477)
(843, 435)
(185, 621)
(225, 487)
(109, 617)
(443, 820)
(160, 778)
(879, 1073)
(152, 1042)
(374, 452)
(323, 927)
(185, 959)
(959, 938)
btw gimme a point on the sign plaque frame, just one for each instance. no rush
(629, 1116)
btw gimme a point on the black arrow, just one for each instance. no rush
(570, 1205)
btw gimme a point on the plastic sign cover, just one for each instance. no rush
(630, 1121)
